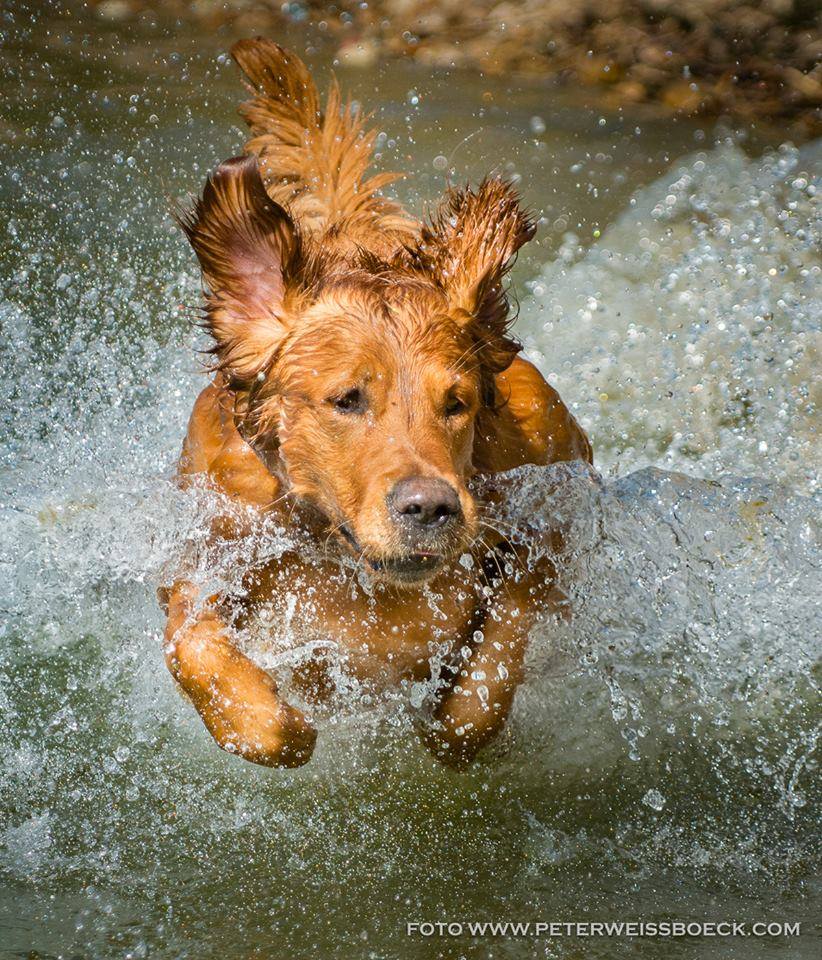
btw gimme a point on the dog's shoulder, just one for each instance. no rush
(531, 424)
(204, 436)
(213, 446)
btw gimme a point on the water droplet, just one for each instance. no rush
(654, 799)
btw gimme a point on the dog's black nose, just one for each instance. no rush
(425, 501)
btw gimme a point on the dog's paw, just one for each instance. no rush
(454, 749)
(238, 700)
(268, 732)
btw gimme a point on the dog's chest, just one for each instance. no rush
(382, 634)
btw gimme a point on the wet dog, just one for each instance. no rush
(363, 374)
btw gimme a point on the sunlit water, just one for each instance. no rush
(660, 760)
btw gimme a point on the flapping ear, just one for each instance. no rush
(250, 254)
(467, 249)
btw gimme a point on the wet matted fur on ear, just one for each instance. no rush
(253, 260)
(467, 249)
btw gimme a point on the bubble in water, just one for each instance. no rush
(654, 799)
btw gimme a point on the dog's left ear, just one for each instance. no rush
(251, 257)
(467, 249)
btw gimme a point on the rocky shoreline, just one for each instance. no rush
(747, 60)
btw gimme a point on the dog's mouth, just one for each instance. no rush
(414, 567)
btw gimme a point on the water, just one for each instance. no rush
(660, 761)
(713, 272)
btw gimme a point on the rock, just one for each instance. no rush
(359, 53)
(117, 10)
(681, 96)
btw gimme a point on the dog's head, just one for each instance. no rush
(361, 380)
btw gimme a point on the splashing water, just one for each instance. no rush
(690, 334)
(660, 760)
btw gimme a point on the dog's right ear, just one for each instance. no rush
(250, 253)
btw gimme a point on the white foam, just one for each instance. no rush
(688, 336)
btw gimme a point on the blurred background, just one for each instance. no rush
(748, 59)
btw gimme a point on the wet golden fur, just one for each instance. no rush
(357, 351)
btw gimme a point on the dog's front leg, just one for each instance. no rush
(236, 699)
(474, 708)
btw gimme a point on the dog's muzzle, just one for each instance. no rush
(413, 567)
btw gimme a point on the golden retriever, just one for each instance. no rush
(363, 372)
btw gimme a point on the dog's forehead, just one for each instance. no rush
(379, 300)
(388, 326)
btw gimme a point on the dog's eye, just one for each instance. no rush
(352, 401)
(454, 407)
